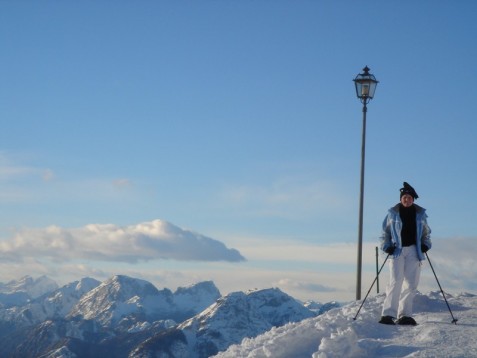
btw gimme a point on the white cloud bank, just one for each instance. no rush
(154, 240)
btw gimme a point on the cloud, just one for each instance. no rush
(292, 197)
(293, 285)
(9, 170)
(292, 250)
(122, 183)
(21, 182)
(48, 175)
(453, 260)
(155, 240)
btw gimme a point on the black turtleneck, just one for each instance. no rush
(409, 227)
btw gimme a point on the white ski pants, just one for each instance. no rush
(404, 268)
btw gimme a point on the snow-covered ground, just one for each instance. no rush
(337, 334)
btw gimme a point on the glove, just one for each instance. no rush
(424, 248)
(390, 250)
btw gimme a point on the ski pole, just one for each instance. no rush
(357, 313)
(454, 320)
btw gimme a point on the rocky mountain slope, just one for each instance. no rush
(129, 317)
(229, 320)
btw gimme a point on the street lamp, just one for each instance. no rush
(365, 84)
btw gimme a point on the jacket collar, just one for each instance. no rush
(419, 209)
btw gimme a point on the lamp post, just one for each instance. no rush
(365, 84)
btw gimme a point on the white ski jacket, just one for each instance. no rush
(392, 225)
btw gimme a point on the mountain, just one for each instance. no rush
(32, 287)
(38, 340)
(61, 301)
(121, 318)
(21, 291)
(122, 296)
(129, 317)
(196, 298)
(12, 299)
(232, 318)
(89, 318)
(336, 334)
(320, 308)
(51, 305)
(123, 302)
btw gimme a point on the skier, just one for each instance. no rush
(405, 237)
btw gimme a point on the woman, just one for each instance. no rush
(405, 237)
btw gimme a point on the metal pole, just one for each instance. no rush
(377, 264)
(361, 197)
(454, 320)
(376, 278)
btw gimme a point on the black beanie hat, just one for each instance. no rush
(407, 189)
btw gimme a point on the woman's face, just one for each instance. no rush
(407, 200)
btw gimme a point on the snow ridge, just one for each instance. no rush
(336, 334)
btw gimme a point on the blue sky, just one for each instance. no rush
(236, 121)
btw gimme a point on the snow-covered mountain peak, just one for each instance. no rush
(32, 287)
(233, 307)
(60, 302)
(124, 287)
(200, 287)
(272, 306)
(320, 308)
(76, 288)
(239, 315)
(52, 305)
(196, 297)
(86, 284)
(277, 307)
(120, 296)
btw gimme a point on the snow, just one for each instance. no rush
(337, 334)
(33, 287)
(257, 313)
(62, 352)
(196, 297)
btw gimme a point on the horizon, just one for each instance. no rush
(235, 126)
